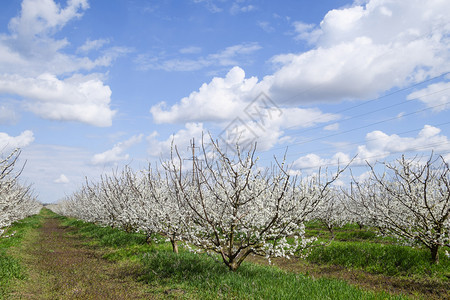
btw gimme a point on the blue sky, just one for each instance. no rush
(89, 86)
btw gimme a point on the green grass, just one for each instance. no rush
(364, 249)
(10, 267)
(194, 276)
(393, 260)
(208, 279)
(106, 236)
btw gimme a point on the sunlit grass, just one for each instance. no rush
(10, 267)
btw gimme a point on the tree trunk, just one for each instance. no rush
(435, 254)
(233, 266)
(149, 239)
(174, 245)
(360, 225)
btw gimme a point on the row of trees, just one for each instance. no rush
(16, 200)
(227, 204)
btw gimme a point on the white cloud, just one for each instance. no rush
(380, 145)
(332, 127)
(358, 53)
(219, 100)
(227, 57)
(78, 98)
(435, 95)
(61, 179)
(115, 154)
(31, 56)
(210, 5)
(266, 26)
(92, 45)
(365, 49)
(45, 16)
(190, 50)
(8, 143)
(230, 102)
(313, 161)
(181, 139)
(237, 8)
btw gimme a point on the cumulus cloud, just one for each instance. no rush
(380, 145)
(356, 53)
(8, 143)
(61, 179)
(31, 57)
(232, 104)
(78, 98)
(435, 95)
(182, 139)
(116, 154)
(219, 100)
(45, 16)
(363, 50)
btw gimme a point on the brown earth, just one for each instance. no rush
(60, 266)
(412, 287)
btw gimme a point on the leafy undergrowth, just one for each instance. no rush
(195, 276)
(10, 267)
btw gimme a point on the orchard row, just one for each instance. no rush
(227, 204)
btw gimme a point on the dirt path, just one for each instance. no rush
(59, 266)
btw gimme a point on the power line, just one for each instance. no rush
(361, 127)
(369, 101)
(411, 150)
(362, 141)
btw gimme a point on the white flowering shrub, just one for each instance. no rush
(410, 201)
(16, 201)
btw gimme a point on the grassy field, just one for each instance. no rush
(10, 267)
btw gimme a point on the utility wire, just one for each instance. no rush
(359, 142)
(361, 127)
(411, 150)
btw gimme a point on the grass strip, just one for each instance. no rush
(10, 267)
